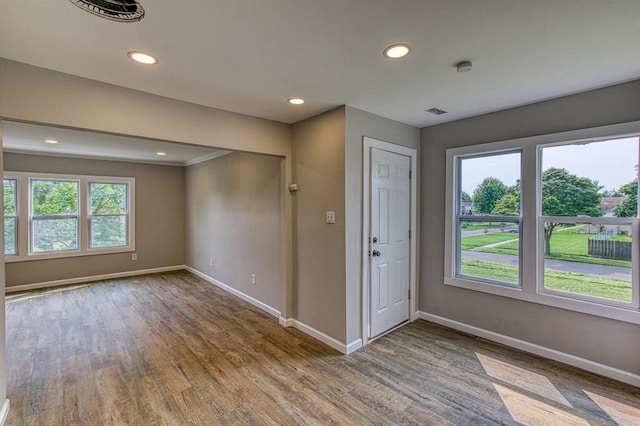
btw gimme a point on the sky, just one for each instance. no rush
(612, 163)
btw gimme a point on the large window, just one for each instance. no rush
(48, 216)
(589, 202)
(54, 215)
(488, 218)
(549, 219)
(10, 216)
(109, 214)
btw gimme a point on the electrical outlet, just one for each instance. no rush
(211, 262)
(134, 256)
(253, 278)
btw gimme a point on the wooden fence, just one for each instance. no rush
(611, 249)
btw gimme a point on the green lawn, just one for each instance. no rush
(565, 245)
(490, 270)
(562, 281)
(474, 241)
(623, 238)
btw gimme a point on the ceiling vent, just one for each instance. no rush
(114, 10)
(436, 111)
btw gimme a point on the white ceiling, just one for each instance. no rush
(249, 56)
(29, 139)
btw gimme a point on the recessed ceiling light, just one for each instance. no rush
(397, 51)
(143, 58)
(295, 101)
(51, 141)
(161, 154)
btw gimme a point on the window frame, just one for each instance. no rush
(15, 217)
(90, 214)
(24, 219)
(34, 218)
(531, 235)
(483, 218)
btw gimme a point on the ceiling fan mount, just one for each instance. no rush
(114, 10)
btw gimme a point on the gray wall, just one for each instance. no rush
(233, 212)
(160, 219)
(318, 148)
(598, 339)
(29, 93)
(359, 124)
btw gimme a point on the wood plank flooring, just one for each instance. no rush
(171, 349)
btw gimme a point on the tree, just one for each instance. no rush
(109, 214)
(465, 197)
(9, 213)
(54, 206)
(487, 194)
(629, 207)
(565, 194)
(508, 205)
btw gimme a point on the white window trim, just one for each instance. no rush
(532, 256)
(23, 237)
(130, 185)
(15, 218)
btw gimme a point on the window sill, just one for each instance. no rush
(630, 314)
(68, 254)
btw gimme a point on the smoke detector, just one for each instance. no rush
(464, 66)
(114, 10)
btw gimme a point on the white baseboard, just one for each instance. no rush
(286, 322)
(4, 412)
(229, 289)
(585, 364)
(354, 346)
(319, 335)
(68, 281)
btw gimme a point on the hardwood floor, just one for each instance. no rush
(172, 349)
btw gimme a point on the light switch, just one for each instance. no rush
(331, 217)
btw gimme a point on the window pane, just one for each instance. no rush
(9, 197)
(108, 231)
(589, 259)
(9, 236)
(55, 234)
(490, 251)
(490, 185)
(595, 179)
(108, 198)
(51, 197)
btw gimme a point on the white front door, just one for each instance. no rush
(389, 240)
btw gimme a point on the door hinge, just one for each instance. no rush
(409, 294)
(410, 173)
(409, 233)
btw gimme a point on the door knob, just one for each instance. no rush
(375, 253)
